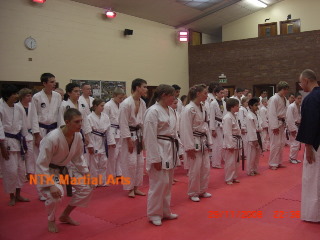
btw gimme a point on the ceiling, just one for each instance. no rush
(206, 16)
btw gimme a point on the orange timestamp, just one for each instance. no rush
(252, 214)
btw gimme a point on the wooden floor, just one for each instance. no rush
(263, 207)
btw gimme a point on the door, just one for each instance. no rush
(258, 89)
(267, 29)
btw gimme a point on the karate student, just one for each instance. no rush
(196, 139)
(177, 93)
(25, 97)
(60, 152)
(217, 111)
(112, 109)
(101, 138)
(231, 141)
(211, 93)
(277, 108)
(253, 123)
(71, 100)
(13, 146)
(263, 95)
(238, 94)
(309, 133)
(132, 110)
(85, 100)
(293, 122)
(162, 146)
(263, 112)
(242, 116)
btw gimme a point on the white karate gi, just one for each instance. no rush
(231, 127)
(253, 124)
(263, 113)
(158, 122)
(276, 109)
(84, 104)
(293, 118)
(54, 149)
(131, 163)
(216, 115)
(242, 116)
(235, 97)
(192, 120)
(98, 161)
(179, 106)
(29, 157)
(113, 112)
(13, 169)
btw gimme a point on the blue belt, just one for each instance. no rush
(102, 134)
(49, 127)
(21, 139)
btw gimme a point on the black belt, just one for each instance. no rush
(218, 119)
(63, 170)
(115, 126)
(84, 147)
(21, 139)
(175, 147)
(139, 137)
(259, 139)
(102, 134)
(240, 146)
(30, 131)
(48, 127)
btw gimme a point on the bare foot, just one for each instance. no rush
(52, 227)
(12, 202)
(131, 194)
(22, 199)
(138, 192)
(68, 220)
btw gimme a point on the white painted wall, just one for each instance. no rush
(75, 41)
(247, 27)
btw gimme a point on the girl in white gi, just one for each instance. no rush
(132, 110)
(71, 100)
(112, 109)
(263, 112)
(196, 140)
(13, 146)
(25, 96)
(242, 115)
(231, 142)
(277, 109)
(60, 148)
(253, 123)
(217, 111)
(162, 145)
(293, 118)
(101, 138)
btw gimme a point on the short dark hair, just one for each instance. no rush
(137, 83)
(218, 89)
(45, 77)
(297, 94)
(70, 113)
(253, 101)
(212, 86)
(183, 97)
(231, 102)
(7, 90)
(176, 87)
(69, 88)
(239, 90)
(84, 84)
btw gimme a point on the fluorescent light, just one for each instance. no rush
(258, 3)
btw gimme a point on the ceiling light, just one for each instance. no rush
(39, 1)
(258, 3)
(183, 36)
(110, 14)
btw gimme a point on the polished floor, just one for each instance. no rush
(261, 207)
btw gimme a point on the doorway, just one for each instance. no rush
(258, 89)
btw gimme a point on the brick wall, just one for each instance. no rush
(257, 60)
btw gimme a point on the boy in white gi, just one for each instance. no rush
(13, 145)
(85, 100)
(196, 139)
(217, 111)
(293, 122)
(242, 116)
(101, 138)
(309, 133)
(263, 112)
(112, 109)
(232, 142)
(253, 123)
(277, 108)
(162, 146)
(132, 110)
(25, 96)
(62, 147)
